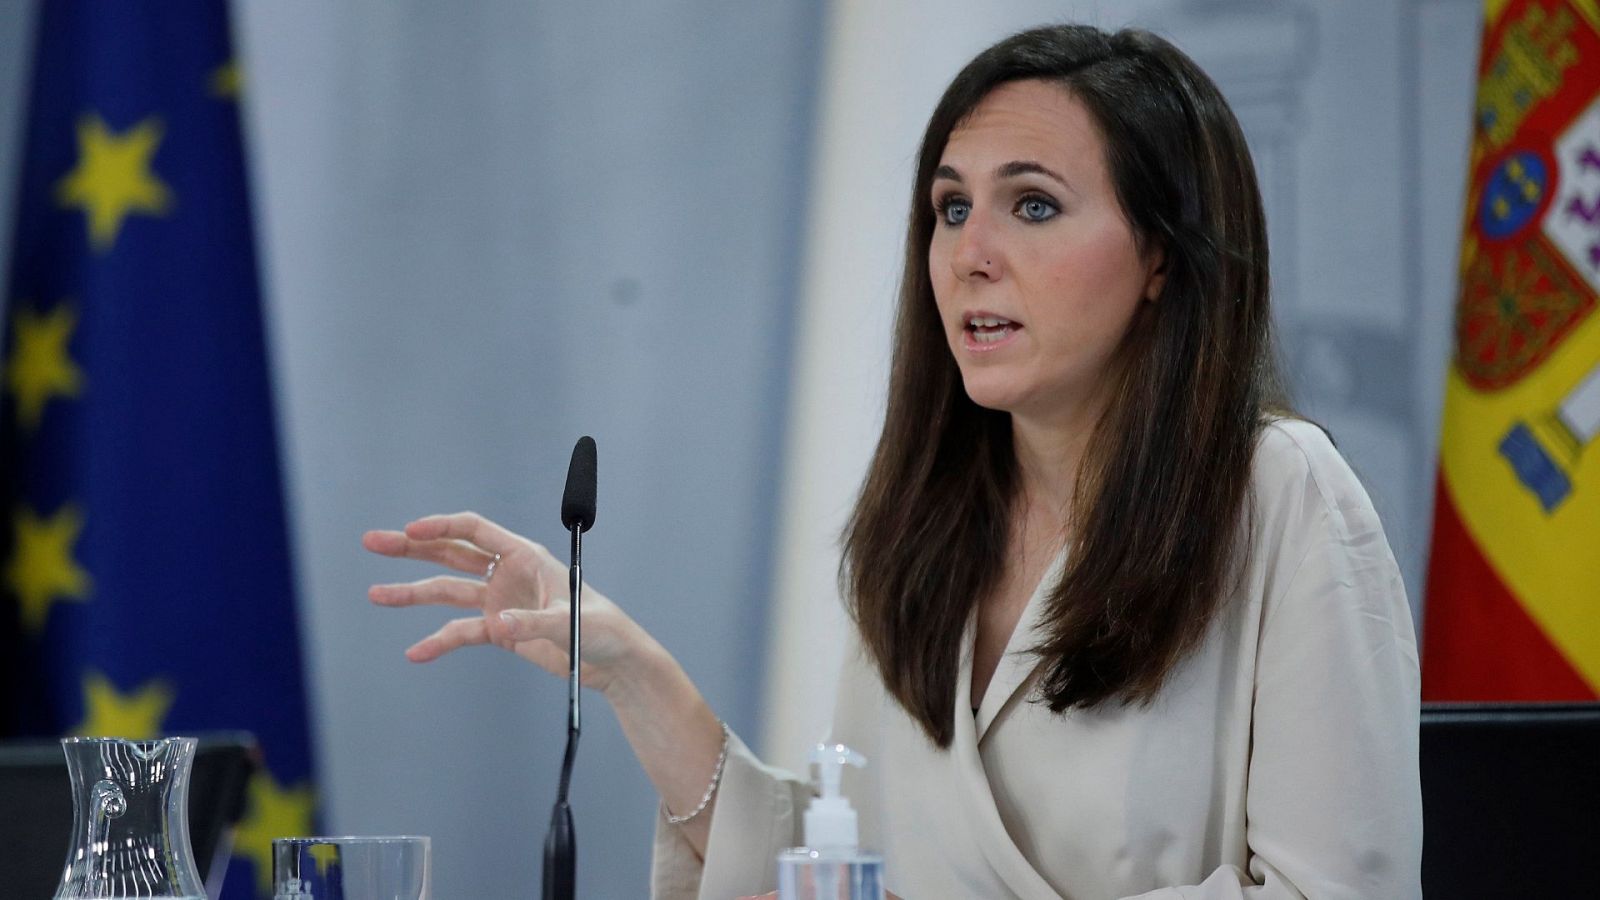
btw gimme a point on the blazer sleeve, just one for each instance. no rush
(757, 814)
(1333, 801)
(759, 808)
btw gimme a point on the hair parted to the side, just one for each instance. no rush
(1162, 499)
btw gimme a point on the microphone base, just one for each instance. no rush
(560, 855)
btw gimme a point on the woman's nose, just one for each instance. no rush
(975, 251)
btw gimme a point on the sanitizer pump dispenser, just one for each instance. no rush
(832, 865)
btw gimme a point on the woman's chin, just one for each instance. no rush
(992, 396)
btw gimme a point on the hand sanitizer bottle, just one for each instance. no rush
(830, 866)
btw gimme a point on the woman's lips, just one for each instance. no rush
(982, 333)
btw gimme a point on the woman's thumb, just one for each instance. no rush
(528, 624)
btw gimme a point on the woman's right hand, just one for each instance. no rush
(525, 607)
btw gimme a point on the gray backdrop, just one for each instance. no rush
(490, 227)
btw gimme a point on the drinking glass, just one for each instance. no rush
(351, 868)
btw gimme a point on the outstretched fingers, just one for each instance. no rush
(539, 636)
(455, 634)
(464, 526)
(548, 624)
(454, 554)
(440, 590)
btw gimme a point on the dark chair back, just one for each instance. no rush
(36, 807)
(1510, 800)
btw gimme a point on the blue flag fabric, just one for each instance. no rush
(147, 586)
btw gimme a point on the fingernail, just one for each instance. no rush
(509, 618)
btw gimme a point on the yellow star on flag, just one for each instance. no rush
(136, 715)
(41, 570)
(113, 179)
(39, 366)
(271, 812)
(226, 80)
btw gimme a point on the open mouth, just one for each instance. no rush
(986, 329)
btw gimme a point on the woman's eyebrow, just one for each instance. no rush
(1028, 167)
(1007, 170)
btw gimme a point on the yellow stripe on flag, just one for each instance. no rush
(1551, 561)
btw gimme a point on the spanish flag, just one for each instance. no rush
(1513, 601)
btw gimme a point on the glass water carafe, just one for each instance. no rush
(130, 820)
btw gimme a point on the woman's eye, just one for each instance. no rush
(1036, 209)
(953, 211)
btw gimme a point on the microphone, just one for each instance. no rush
(577, 516)
(577, 501)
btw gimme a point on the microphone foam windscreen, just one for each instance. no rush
(577, 501)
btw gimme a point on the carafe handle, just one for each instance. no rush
(108, 800)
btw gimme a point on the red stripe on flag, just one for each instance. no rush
(1478, 641)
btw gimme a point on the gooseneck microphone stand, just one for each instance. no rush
(577, 515)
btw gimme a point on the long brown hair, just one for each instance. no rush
(1162, 496)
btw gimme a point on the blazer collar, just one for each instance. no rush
(989, 830)
(1017, 664)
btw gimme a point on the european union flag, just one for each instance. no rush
(146, 580)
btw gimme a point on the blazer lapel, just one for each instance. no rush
(1017, 664)
(988, 829)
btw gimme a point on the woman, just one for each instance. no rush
(1123, 628)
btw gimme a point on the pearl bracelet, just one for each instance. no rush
(716, 779)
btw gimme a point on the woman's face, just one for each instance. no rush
(1034, 267)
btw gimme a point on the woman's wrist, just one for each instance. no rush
(660, 709)
(643, 676)
(678, 739)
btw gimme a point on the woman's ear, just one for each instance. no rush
(1158, 276)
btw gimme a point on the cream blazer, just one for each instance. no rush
(1279, 760)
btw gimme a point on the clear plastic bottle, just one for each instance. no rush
(832, 865)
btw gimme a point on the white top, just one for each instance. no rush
(1279, 760)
